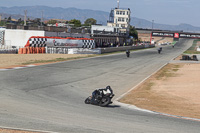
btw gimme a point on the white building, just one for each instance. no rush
(19, 38)
(120, 17)
(119, 21)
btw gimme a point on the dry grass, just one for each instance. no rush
(149, 95)
(13, 60)
(15, 131)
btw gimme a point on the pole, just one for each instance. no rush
(25, 15)
(41, 18)
(151, 32)
(118, 4)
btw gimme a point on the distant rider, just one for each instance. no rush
(127, 53)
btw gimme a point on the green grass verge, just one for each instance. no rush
(167, 71)
(192, 49)
(174, 42)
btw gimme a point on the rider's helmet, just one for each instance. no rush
(108, 87)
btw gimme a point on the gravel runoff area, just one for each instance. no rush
(173, 90)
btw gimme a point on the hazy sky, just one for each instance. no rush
(161, 11)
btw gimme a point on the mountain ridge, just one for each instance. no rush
(83, 14)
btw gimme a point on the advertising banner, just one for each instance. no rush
(64, 42)
(162, 34)
(36, 41)
(187, 35)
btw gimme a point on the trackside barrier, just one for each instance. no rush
(62, 50)
(116, 49)
(32, 50)
(56, 50)
(8, 51)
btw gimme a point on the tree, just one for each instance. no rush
(9, 18)
(77, 23)
(37, 21)
(90, 21)
(52, 22)
(133, 32)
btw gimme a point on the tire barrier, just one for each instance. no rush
(187, 57)
(32, 50)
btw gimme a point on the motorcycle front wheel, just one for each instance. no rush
(88, 100)
(105, 101)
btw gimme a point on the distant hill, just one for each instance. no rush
(83, 14)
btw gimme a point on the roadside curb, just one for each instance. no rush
(20, 67)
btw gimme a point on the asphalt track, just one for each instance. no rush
(51, 97)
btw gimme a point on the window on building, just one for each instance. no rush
(127, 20)
(119, 19)
(127, 12)
(122, 19)
(123, 25)
(117, 25)
(120, 12)
(123, 12)
(117, 12)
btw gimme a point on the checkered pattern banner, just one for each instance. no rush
(62, 42)
(2, 37)
(37, 42)
(88, 44)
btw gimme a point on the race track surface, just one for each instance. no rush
(51, 97)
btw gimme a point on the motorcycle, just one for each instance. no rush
(127, 53)
(102, 97)
(159, 50)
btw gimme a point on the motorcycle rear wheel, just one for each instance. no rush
(105, 101)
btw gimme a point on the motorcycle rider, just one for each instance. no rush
(159, 50)
(98, 93)
(127, 53)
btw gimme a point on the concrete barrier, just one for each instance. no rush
(116, 49)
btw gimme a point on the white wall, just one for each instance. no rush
(19, 38)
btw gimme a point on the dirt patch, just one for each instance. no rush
(14, 60)
(15, 131)
(173, 90)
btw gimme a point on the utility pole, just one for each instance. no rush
(118, 4)
(152, 24)
(0, 17)
(25, 15)
(151, 32)
(42, 18)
